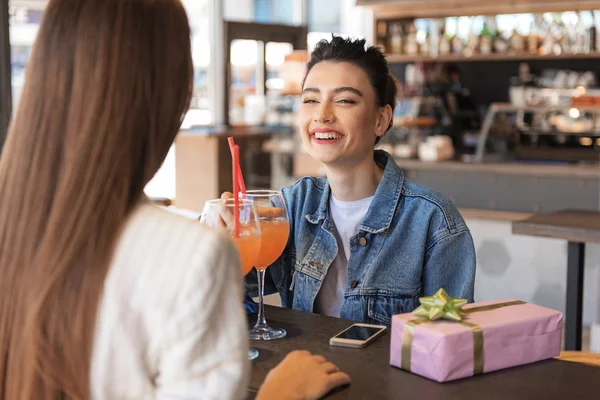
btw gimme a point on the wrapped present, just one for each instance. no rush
(446, 339)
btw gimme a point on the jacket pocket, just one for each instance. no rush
(303, 286)
(381, 308)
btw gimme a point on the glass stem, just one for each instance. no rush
(261, 322)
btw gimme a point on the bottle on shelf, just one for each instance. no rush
(516, 43)
(457, 44)
(500, 43)
(593, 39)
(411, 47)
(445, 44)
(595, 32)
(425, 47)
(396, 38)
(564, 40)
(486, 38)
(548, 44)
(583, 40)
(382, 36)
(581, 36)
(534, 40)
(434, 38)
(472, 44)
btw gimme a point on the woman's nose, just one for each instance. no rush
(325, 114)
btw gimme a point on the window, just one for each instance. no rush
(263, 11)
(200, 112)
(244, 70)
(201, 107)
(274, 11)
(275, 58)
(340, 17)
(324, 18)
(24, 17)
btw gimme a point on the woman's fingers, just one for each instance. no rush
(269, 212)
(329, 367)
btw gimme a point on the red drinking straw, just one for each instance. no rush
(237, 167)
(236, 190)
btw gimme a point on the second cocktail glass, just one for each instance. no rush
(219, 213)
(275, 231)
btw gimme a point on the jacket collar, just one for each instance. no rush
(383, 207)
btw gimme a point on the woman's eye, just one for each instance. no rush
(346, 101)
(308, 101)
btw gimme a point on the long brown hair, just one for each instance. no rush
(105, 92)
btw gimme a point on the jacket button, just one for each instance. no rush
(362, 241)
(353, 284)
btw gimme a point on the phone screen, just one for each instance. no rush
(358, 333)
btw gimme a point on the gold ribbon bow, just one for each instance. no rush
(442, 306)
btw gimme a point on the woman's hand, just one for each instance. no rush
(225, 213)
(302, 376)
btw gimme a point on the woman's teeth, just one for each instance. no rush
(327, 135)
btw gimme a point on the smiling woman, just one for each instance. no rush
(339, 109)
(365, 242)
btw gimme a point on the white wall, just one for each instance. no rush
(356, 21)
(530, 269)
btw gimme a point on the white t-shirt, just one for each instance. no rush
(346, 215)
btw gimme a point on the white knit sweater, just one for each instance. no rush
(171, 323)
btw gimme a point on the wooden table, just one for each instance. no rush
(373, 377)
(576, 227)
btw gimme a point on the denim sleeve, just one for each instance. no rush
(450, 264)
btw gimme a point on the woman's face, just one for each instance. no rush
(339, 118)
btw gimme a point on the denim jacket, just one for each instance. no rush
(411, 242)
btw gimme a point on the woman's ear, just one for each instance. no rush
(384, 118)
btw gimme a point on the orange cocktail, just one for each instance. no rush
(275, 231)
(220, 212)
(248, 248)
(274, 238)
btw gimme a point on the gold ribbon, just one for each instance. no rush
(491, 307)
(442, 306)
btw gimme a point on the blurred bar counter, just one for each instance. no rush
(515, 187)
(203, 161)
(274, 157)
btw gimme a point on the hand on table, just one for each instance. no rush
(302, 376)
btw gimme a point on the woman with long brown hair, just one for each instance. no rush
(101, 295)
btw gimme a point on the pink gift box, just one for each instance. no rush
(513, 335)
